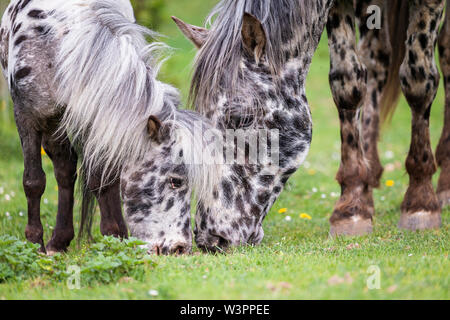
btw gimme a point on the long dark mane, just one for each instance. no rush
(217, 64)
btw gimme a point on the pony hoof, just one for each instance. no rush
(51, 253)
(444, 198)
(421, 220)
(353, 226)
(52, 250)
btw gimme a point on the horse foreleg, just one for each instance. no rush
(420, 80)
(348, 79)
(64, 160)
(112, 222)
(33, 176)
(443, 150)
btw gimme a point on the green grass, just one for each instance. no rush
(297, 259)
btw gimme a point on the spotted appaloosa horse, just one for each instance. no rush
(83, 69)
(248, 69)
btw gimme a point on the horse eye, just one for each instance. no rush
(176, 183)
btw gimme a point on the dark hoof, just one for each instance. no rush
(60, 241)
(421, 220)
(52, 252)
(53, 248)
(353, 226)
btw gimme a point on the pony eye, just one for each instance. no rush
(176, 183)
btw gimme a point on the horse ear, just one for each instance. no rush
(154, 128)
(253, 36)
(197, 35)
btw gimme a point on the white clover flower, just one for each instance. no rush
(389, 155)
(153, 293)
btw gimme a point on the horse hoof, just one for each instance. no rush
(353, 226)
(52, 250)
(51, 253)
(421, 220)
(55, 246)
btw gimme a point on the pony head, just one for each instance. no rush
(249, 76)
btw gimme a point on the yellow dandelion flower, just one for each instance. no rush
(305, 216)
(282, 210)
(312, 172)
(390, 183)
(43, 152)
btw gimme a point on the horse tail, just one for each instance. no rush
(397, 20)
(106, 79)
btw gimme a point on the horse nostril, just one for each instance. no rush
(155, 250)
(179, 249)
(215, 243)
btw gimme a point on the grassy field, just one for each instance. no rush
(297, 259)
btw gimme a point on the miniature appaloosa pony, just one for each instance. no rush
(83, 69)
(251, 70)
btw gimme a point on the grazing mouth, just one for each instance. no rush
(176, 249)
(214, 244)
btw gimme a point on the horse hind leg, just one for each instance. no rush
(443, 149)
(348, 79)
(375, 52)
(33, 175)
(419, 81)
(64, 160)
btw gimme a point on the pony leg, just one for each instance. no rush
(348, 78)
(64, 160)
(374, 51)
(443, 150)
(112, 222)
(33, 177)
(419, 81)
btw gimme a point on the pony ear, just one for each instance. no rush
(197, 35)
(154, 128)
(253, 36)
